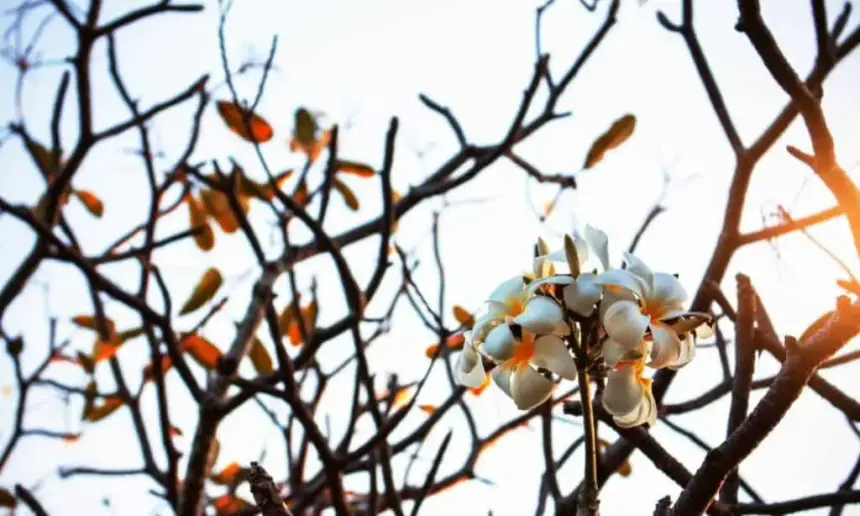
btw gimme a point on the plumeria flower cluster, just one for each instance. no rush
(544, 326)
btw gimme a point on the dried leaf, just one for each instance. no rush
(463, 316)
(201, 350)
(218, 206)
(305, 131)
(260, 357)
(7, 499)
(348, 196)
(617, 134)
(149, 370)
(249, 126)
(86, 362)
(93, 204)
(815, 326)
(91, 323)
(428, 408)
(205, 239)
(130, 334)
(309, 316)
(355, 168)
(231, 475)
(71, 438)
(401, 397)
(175, 431)
(229, 505)
(104, 349)
(302, 196)
(43, 157)
(205, 290)
(95, 412)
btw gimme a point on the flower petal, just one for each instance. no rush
(646, 412)
(666, 348)
(614, 352)
(623, 392)
(668, 291)
(483, 326)
(638, 267)
(497, 309)
(500, 342)
(541, 315)
(598, 241)
(507, 289)
(687, 352)
(624, 322)
(552, 354)
(529, 388)
(560, 279)
(617, 280)
(582, 295)
(502, 377)
(705, 331)
(469, 369)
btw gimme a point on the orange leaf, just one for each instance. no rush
(455, 342)
(107, 407)
(93, 204)
(205, 290)
(232, 474)
(463, 316)
(309, 317)
(175, 431)
(205, 239)
(355, 168)
(428, 408)
(250, 126)
(149, 370)
(401, 397)
(105, 349)
(260, 357)
(201, 350)
(229, 505)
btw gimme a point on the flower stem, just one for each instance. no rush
(589, 502)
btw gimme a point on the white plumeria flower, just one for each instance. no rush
(640, 304)
(628, 395)
(469, 368)
(518, 352)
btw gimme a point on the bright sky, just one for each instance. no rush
(363, 62)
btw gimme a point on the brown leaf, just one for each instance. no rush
(205, 239)
(305, 130)
(7, 499)
(205, 290)
(348, 196)
(175, 431)
(105, 349)
(428, 408)
(130, 334)
(260, 357)
(91, 323)
(309, 316)
(86, 362)
(98, 412)
(43, 157)
(201, 350)
(249, 126)
(816, 325)
(463, 316)
(617, 134)
(218, 206)
(355, 168)
(93, 204)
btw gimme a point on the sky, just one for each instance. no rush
(362, 63)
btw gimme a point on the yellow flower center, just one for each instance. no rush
(515, 305)
(524, 350)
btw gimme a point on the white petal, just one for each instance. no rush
(598, 241)
(502, 376)
(581, 244)
(507, 289)
(688, 321)
(622, 279)
(483, 326)
(500, 342)
(666, 348)
(529, 388)
(624, 322)
(541, 315)
(613, 352)
(705, 331)
(638, 267)
(561, 279)
(552, 354)
(687, 352)
(497, 309)
(469, 368)
(582, 295)
(646, 412)
(623, 392)
(668, 291)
